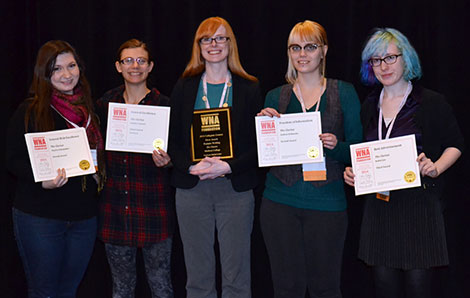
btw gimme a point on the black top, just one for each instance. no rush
(246, 103)
(408, 231)
(67, 202)
(432, 116)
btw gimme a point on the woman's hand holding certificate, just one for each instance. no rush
(384, 165)
(57, 182)
(137, 128)
(65, 149)
(290, 138)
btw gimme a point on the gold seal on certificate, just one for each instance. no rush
(385, 165)
(291, 139)
(410, 176)
(158, 144)
(313, 152)
(137, 128)
(84, 164)
(52, 150)
(211, 134)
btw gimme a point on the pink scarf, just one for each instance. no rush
(73, 108)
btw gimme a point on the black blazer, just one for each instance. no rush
(246, 102)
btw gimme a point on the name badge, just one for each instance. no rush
(383, 195)
(94, 155)
(314, 171)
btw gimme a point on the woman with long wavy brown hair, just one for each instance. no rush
(55, 220)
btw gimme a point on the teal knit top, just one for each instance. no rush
(214, 91)
(303, 194)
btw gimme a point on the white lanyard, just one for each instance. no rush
(223, 98)
(389, 130)
(71, 123)
(301, 100)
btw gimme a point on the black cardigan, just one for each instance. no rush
(434, 118)
(68, 202)
(246, 102)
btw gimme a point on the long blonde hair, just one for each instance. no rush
(207, 28)
(306, 31)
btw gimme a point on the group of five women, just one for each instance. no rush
(304, 221)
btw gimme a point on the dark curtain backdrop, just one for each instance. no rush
(437, 29)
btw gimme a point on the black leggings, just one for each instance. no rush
(305, 249)
(396, 283)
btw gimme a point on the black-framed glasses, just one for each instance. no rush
(217, 39)
(130, 61)
(390, 59)
(309, 48)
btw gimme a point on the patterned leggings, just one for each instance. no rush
(157, 257)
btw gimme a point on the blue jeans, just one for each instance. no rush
(55, 253)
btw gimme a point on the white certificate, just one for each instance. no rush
(385, 165)
(289, 140)
(67, 148)
(137, 128)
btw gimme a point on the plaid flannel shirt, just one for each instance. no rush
(137, 202)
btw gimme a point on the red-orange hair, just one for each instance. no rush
(207, 28)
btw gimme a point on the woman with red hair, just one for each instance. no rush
(215, 194)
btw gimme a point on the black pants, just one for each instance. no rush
(305, 249)
(396, 283)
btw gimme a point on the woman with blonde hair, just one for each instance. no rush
(304, 220)
(215, 194)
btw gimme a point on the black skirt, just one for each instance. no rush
(405, 233)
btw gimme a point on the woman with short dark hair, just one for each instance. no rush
(136, 206)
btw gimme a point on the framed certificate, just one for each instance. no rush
(289, 140)
(67, 148)
(385, 165)
(137, 128)
(211, 134)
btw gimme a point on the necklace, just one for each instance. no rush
(223, 97)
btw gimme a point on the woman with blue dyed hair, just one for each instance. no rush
(402, 233)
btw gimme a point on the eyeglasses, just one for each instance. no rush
(390, 59)
(218, 39)
(309, 48)
(130, 61)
